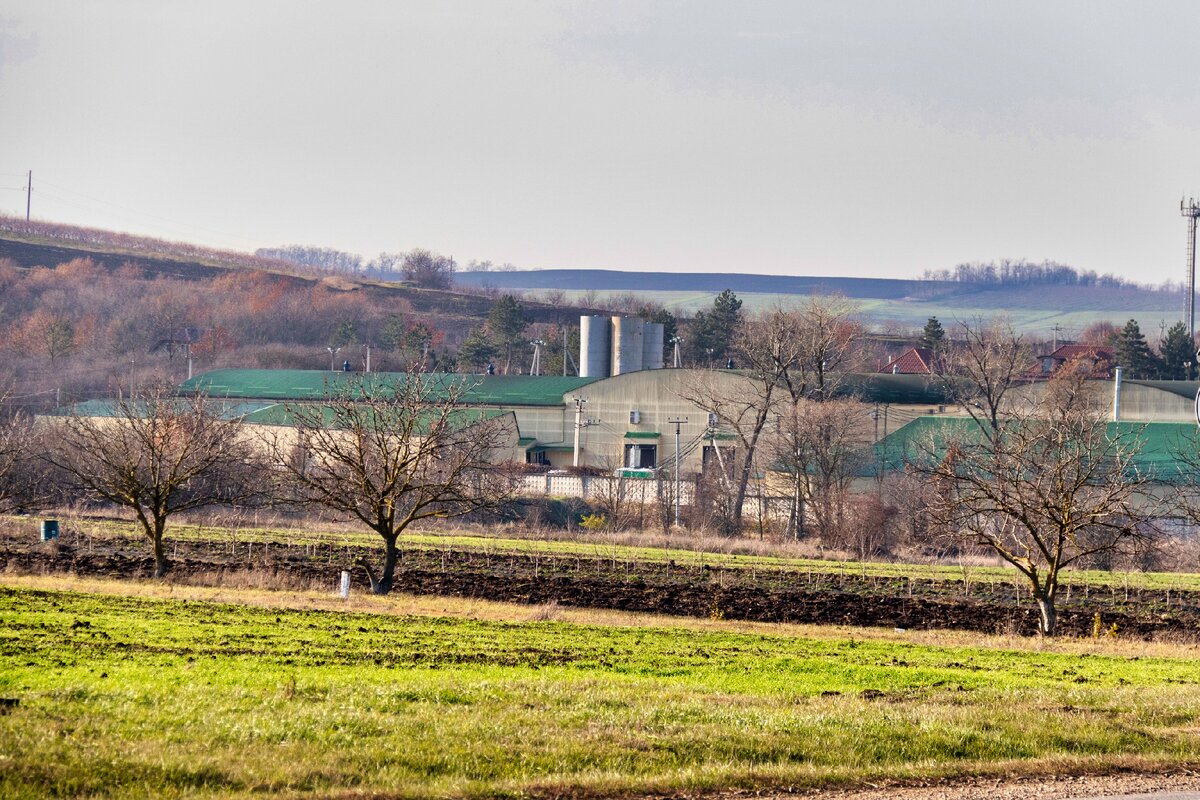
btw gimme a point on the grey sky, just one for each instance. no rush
(867, 139)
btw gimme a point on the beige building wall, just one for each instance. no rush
(1138, 403)
(651, 397)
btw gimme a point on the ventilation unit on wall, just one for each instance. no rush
(635, 417)
(713, 419)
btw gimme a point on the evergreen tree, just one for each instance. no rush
(394, 332)
(346, 333)
(1133, 354)
(417, 341)
(1177, 351)
(712, 331)
(933, 334)
(506, 325)
(476, 352)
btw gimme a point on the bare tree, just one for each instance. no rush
(22, 483)
(428, 270)
(157, 455)
(788, 356)
(1043, 488)
(391, 453)
(985, 360)
(822, 447)
(768, 346)
(826, 332)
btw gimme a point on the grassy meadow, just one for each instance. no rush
(1037, 315)
(135, 690)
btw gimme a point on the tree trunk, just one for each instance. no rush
(382, 584)
(161, 564)
(796, 518)
(1048, 621)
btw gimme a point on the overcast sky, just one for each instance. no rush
(839, 138)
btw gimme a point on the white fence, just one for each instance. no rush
(634, 490)
(641, 490)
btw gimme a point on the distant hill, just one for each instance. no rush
(886, 303)
(616, 280)
(27, 251)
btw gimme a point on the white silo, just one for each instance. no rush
(626, 344)
(595, 348)
(652, 345)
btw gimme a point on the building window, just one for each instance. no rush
(709, 459)
(641, 456)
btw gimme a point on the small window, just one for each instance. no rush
(641, 456)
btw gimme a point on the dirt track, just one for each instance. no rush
(770, 596)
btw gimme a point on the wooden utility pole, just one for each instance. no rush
(28, 194)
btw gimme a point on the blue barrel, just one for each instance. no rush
(49, 529)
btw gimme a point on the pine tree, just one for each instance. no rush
(346, 333)
(1133, 354)
(1177, 352)
(394, 331)
(933, 334)
(712, 331)
(506, 325)
(476, 352)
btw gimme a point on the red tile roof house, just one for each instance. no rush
(914, 361)
(1098, 358)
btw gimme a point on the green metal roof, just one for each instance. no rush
(557, 447)
(885, 388)
(295, 384)
(278, 414)
(642, 435)
(1161, 442)
(107, 408)
(259, 413)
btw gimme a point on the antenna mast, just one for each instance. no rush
(1190, 209)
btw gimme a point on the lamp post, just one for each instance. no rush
(333, 351)
(676, 341)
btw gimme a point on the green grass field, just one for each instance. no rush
(1038, 318)
(127, 696)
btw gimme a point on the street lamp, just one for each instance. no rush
(333, 351)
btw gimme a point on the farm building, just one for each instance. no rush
(623, 420)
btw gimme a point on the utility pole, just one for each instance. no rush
(368, 358)
(132, 367)
(565, 355)
(536, 367)
(677, 422)
(28, 194)
(580, 424)
(187, 349)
